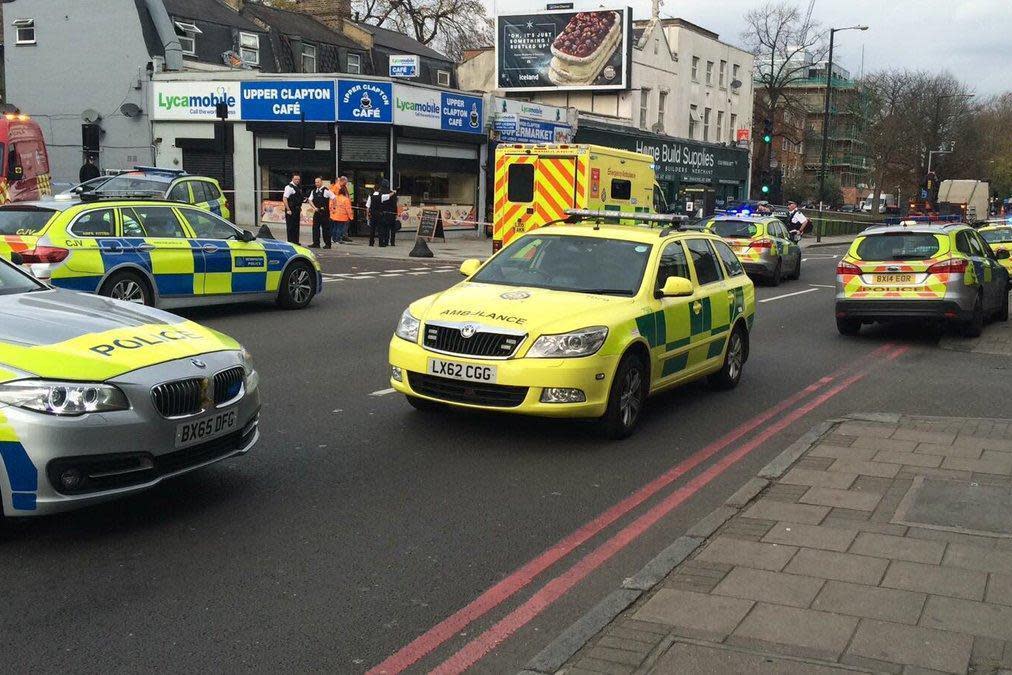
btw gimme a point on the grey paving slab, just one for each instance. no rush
(948, 450)
(914, 645)
(983, 443)
(833, 479)
(696, 658)
(842, 452)
(796, 513)
(995, 465)
(845, 499)
(953, 537)
(812, 536)
(908, 458)
(696, 614)
(936, 579)
(880, 444)
(747, 553)
(865, 467)
(620, 656)
(999, 589)
(863, 525)
(968, 616)
(867, 429)
(841, 566)
(924, 436)
(870, 602)
(898, 548)
(800, 631)
(975, 558)
(774, 587)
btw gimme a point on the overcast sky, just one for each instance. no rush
(970, 38)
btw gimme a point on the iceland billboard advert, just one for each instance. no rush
(564, 50)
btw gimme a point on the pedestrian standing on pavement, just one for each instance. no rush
(320, 199)
(293, 198)
(88, 169)
(349, 189)
(341, 214)
(799, 222)
(381, 206)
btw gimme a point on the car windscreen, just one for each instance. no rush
(898, 246)
(24, 220)
(570, 263)
(734, 229)
(13, 281)
(127, 185)
(999, 235)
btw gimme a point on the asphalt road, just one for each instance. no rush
(358, 525)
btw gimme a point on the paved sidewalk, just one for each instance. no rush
(996, 341)
(879, 543)
(457, 247)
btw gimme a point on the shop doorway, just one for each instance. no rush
(363, 183)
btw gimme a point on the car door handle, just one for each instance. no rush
(145, 247)
(209, 248)
(697, 307)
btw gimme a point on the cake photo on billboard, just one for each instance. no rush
(584, 46)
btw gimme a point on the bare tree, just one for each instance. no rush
(447, 25)
(784, 43)
(889, 131)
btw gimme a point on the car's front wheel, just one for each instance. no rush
(973, 327)
(778, 273)
(625, 401)
(734, 361)
(128, 287)
(298, 286)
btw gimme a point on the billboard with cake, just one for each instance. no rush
(566, 50)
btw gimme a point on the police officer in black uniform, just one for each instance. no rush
(293, 199)
(382, 209)
(320, 199)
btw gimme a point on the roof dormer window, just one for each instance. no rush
(187, 32)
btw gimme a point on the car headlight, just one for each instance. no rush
(583, 342)
(407, 327)
(247, 362)
(63, 398)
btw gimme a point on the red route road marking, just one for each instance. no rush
(504, 589)
(475, 650)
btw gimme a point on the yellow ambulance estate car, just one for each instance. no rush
(580, 320)
(999, 237)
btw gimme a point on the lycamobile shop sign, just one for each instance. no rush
(194, 100)
(434, 109)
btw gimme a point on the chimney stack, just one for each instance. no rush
(332, 13)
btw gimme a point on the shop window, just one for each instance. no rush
(308, 59)
(25, 31)
(520, 183)
(249, 48)
(187, 32)
(354, 64)
(621, 189)
(443, 78)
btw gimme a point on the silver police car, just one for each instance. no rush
(101, 398)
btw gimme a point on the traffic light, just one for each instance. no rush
(767, 131)
(765, 183)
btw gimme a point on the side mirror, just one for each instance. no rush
(676, 287)
(18, 260)
(1003, 254)
(246, 236)
(470, 266)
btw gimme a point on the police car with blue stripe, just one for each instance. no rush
(154, 252)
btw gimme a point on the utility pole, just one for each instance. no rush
(825, 116)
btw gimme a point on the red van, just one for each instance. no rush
(24, 163)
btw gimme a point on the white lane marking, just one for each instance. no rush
(448, 269)
(402, 271)
(822, 286)
(416, 273)
(788, 295)
(390, 275)
(382, 392)
(421, 268)
(804, 260)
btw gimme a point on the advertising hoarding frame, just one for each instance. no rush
(626, 45)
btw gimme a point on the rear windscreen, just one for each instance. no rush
(901, 246)
(520, 183)
(734, 229)
(15, 221)
(998, 235)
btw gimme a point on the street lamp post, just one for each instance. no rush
(825, 117)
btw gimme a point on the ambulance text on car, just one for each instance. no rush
(101, 398)
(579, 320)
(155, 253)
(926, 270)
